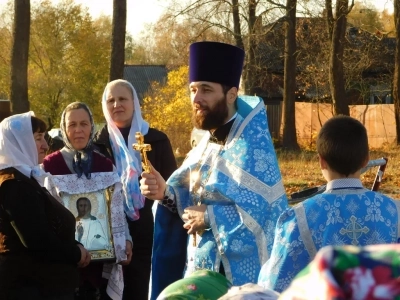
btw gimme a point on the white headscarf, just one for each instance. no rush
(17, 145)
(127, 160)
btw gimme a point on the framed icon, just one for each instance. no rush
(93, 221)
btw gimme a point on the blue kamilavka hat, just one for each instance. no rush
(215, 62)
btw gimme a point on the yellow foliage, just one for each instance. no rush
(69, 57)
(168, 108)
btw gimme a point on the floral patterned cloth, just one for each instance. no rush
(349, 272)
(345, 214)
(201, 285)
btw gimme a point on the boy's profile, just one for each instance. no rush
(345, 214)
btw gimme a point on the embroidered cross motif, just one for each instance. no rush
(262, 132)
(354, 230)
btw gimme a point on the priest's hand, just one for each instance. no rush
(85, 257)
(128, 251)
(193, 216)
(152, 185)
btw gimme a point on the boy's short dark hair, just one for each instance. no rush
(343, 143)
(38, 125)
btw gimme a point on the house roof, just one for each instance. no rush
(141, 77)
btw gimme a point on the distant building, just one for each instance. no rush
(141, 77)
(368, 62)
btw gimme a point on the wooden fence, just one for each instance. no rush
(274, 116)
(377, 118)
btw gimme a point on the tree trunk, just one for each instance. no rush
(251, 65)
(396, 75)
(19, 57)
(236, 24)
(336, 73)
(329, 17)
(289, 140)
(118, 40)
(238, 35)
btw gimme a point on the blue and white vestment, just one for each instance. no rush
(243, 191)
(345, 214)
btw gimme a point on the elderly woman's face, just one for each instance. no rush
(120, 105)
(41, 145)
(78, 128)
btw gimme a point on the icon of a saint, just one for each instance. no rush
(89, 231)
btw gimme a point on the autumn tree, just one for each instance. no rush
(118, 40)
(69, 57)
(168, 109)
(365, 17)
(396, 75)
(5, 50)
(19, 57)
(242, 20)
(387, 20)
(312, 60)
(366, 59)
(167, 41)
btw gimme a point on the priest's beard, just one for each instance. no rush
(211, 118)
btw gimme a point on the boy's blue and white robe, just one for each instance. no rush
(345, 214)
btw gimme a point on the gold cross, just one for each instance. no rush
(142, 148)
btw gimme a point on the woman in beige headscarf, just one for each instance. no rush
(79, 157)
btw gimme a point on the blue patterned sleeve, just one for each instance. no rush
(288, 256)
(177, 190)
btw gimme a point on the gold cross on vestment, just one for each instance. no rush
(354, 230)
(142, 148)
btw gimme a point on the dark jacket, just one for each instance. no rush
(37, 237)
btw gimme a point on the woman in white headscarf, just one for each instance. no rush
(122, 112)
(38, 252)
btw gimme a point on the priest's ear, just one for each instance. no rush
(231, 95)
